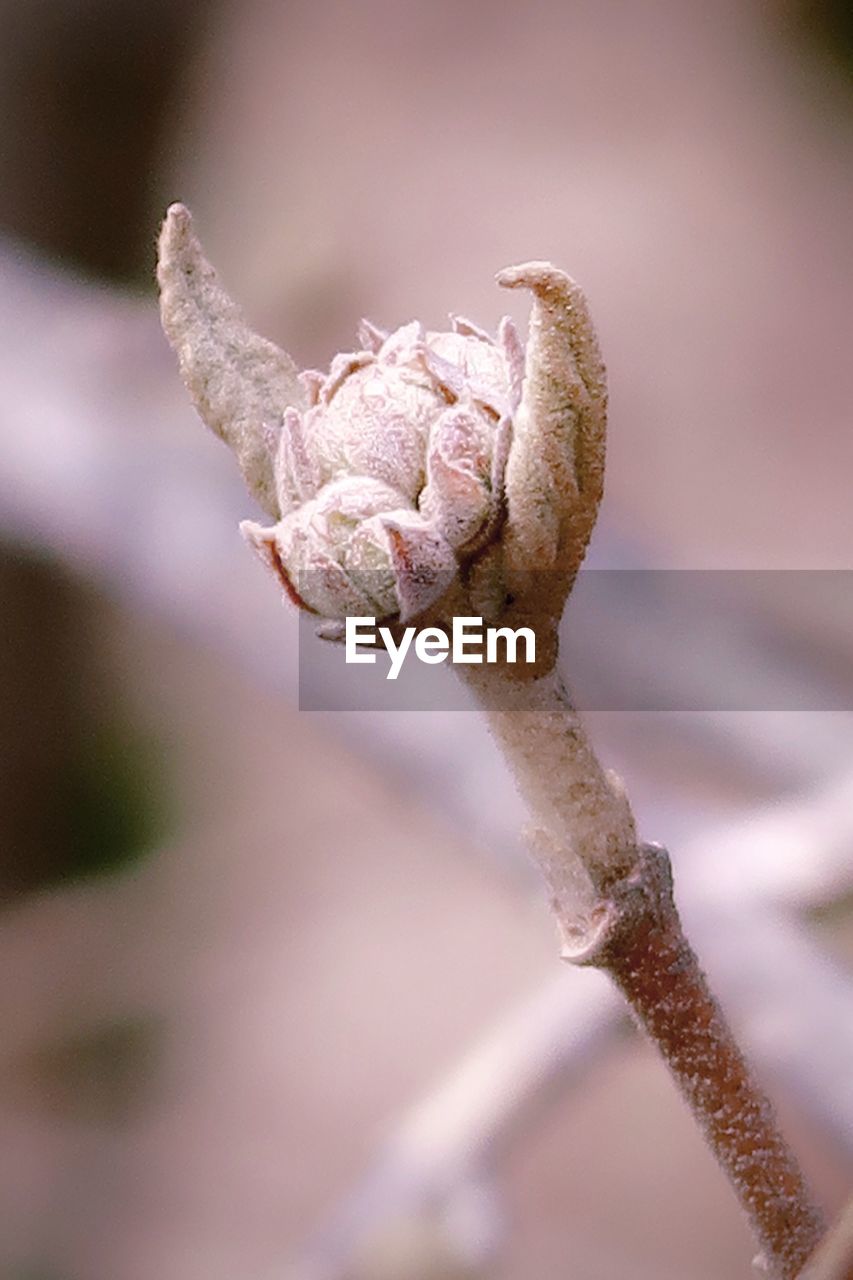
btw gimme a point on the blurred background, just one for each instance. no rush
(279, 995)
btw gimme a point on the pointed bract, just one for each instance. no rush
(240, 383)
(555, 470)
(423, 562)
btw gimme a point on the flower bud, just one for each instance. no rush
(422, 465)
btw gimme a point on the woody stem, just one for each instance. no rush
(623, 919)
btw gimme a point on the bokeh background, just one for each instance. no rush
(279, 996)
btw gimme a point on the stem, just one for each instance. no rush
(626, 923)
(642, 945)
(585, 837)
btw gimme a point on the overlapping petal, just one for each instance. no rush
(420, 461)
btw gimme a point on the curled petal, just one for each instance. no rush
(457, 496)
(240, 383)
(329, 589)
(453, 383)
(459, 324)
(403, 344)
(485, 529)
(311, 575)
(263, 543)
(312, 380)
(371, 336)
(447, 378)
(345, 503)
(513, 353)
(423, 563)
(296, 473)
(341, 368)
(330, 554)
(367, 559)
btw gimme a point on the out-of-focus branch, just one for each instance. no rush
(795, 853)
(460, 1129)
(782, 994)
(457, 1131)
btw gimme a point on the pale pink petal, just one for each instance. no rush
(312, 380)
(423, 562)
(295, 473)
(263, 542)
(340, 369)
(513, 353)
(459, 324)
(403, 344)
(371, 336)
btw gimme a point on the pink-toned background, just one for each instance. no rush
(238, 942)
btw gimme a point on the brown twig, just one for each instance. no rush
(642, 946)
(625, 922)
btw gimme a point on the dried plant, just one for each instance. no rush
(433, 475)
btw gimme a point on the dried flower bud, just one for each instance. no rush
(422, 465)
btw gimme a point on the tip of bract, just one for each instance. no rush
(177, 245)
(176, 235)
(541, 277)
(178, 217)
